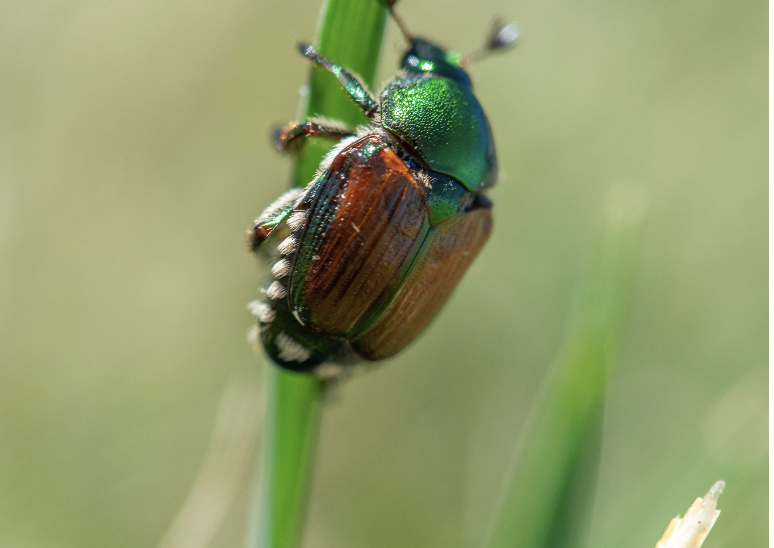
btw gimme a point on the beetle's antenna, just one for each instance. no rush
(500, 37)
(390, 4)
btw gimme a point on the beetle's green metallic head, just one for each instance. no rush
(430, 105)
(424, 56)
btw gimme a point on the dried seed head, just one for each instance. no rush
(691, 530)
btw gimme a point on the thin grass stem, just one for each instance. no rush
(350, 32)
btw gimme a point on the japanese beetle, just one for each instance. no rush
(366, 255)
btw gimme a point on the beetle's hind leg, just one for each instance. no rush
(270, 219)
(289, 138)
(352, 83)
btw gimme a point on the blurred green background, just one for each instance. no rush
(134, 152)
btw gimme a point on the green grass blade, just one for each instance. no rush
(350, 33)
(292, 424)
(548, 499)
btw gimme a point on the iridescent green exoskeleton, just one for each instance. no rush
(365, 256)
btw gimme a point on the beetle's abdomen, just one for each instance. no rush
(446, 254)
(365, 221)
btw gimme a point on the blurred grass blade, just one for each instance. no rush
(549, 496)
(350, 33)
(222, 472)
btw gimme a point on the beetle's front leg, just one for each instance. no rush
(288, 139)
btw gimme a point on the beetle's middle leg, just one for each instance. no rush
(289, 138)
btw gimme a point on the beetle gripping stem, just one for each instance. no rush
(352, 84)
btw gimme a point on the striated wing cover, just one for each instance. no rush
(365, 221)
(446, 254)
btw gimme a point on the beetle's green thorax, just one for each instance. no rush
(430, 105)
(444, 122)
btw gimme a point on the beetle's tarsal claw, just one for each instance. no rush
(306, 49)
(283, 139)
(310, 52)
(279, 139)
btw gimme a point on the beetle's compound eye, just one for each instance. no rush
(425, 57)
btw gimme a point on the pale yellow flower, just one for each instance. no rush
(691, 530)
